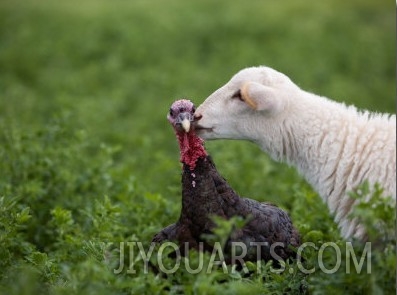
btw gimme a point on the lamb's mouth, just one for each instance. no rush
(200, 128)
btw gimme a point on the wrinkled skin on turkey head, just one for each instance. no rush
(181, 116)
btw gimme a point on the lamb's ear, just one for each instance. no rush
(260, 97)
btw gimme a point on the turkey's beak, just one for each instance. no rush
(184, 119)
(186, 125)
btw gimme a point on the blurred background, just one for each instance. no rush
(114, 68)
(85, 87)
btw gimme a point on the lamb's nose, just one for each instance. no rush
(197, 117)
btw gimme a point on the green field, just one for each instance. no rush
(88, 159)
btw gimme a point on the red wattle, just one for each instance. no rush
(191, 148)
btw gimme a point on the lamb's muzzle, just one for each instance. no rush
(199, 128)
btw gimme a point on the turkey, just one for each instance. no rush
(206, 193)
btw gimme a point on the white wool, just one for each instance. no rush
(334, 146)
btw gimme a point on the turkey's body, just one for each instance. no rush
(206, 193)
(268, 232)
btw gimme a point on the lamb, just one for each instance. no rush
(334, 146)
(206, 193)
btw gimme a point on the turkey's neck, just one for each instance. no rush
(191, 148)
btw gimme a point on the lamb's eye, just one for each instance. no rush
(237, 95)
(171, 112)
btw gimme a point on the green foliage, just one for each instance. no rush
(223, 229)
(376, 212)
(88, 161)
(372, 264)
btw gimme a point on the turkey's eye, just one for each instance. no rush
(171, 112)
(193, 109)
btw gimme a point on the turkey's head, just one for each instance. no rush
(181, 115)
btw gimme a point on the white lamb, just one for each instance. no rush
(334, 147)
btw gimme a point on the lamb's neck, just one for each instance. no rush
(312, 138)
